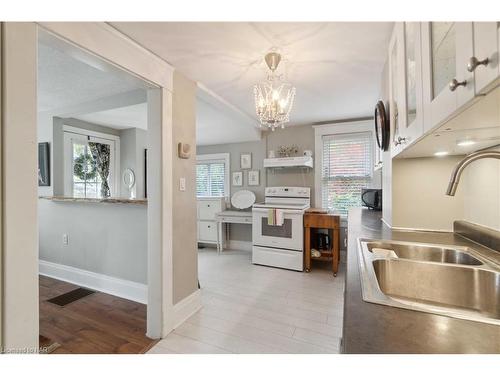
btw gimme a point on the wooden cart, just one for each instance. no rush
(320, 220)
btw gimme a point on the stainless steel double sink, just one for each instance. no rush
(447, 280)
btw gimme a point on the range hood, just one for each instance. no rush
(296, 161)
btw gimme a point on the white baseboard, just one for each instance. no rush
(239, 245)
(183, 309)
(111, 285)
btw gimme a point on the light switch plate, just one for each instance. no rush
(182, 184)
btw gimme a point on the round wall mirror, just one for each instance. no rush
(129, 178)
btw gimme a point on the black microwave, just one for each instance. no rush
(372, 198)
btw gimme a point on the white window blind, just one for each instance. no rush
(210, 178)
(347, 168)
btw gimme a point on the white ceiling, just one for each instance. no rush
(64, 81)
(217, 124)
(336, 67)
(132, 116)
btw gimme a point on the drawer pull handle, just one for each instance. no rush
(454, 84)
(474, 63)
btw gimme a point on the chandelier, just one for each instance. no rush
(274, 97)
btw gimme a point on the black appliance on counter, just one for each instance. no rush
(322, 241)
(372, 198)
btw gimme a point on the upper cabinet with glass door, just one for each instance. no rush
(447, 84)
(484, 61)
(405, 66)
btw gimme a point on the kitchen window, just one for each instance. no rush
(90, 164)
(212, 175)
(345, 165)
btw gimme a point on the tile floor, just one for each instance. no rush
(256, 309)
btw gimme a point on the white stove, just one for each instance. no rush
(280, 245)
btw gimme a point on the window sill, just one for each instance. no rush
(95, 200)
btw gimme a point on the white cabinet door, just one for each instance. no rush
(447, 84)
(396, 87)
(484, 61)
(410, 103)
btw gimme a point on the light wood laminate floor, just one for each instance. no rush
(257, 309)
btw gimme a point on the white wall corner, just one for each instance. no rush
(186, 308)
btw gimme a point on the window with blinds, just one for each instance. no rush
(347, 168)
(210, 178)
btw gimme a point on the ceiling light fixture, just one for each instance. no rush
(466, 142)
(274, 97)
(441, 153)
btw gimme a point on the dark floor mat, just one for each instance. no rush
(67, 298)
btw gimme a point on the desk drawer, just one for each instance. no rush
(237, 220)
(321, 221)
(208, 208)
(207, 231)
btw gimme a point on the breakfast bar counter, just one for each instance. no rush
(374, 328)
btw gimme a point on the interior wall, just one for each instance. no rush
(106, 238)
(480, 186)
(242, 232)
(133, 143)
(303, 137)
(19, 202)
(418, 193)
(185, 255)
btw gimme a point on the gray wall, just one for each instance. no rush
(109, 239)
(185, 254)
(133, 142)
(302, 136)
(106, 238)
(241, 232)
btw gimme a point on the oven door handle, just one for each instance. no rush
(285, 210)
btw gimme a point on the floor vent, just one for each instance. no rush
(69, 297)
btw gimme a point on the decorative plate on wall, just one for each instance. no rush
(382, 126)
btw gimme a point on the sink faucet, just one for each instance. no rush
(459, 168)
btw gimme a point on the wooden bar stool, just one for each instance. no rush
(320, 220)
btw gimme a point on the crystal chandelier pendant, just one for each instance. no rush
(274, 97)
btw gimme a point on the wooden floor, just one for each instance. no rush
(98, 323)
(256, 309)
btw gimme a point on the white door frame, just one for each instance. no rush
(106, 43)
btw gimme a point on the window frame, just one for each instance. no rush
(206, 158)
(71, 133)
(337, 129)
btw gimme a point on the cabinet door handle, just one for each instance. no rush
(400, 141)
(454, 84)
(474, 63)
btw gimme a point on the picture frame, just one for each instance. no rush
(253, 178)
(246, 161)
(43, 164)
(237, 178)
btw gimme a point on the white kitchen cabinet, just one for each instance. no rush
(447, 84)
(484, 61)
(207, 208)
(405, 87)
(396, 90)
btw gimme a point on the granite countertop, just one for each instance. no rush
(373, 328)
(95, 200)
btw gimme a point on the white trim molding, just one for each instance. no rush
(329, 129)
(187, 307)
(107, 284)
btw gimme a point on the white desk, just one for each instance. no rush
(230, 217)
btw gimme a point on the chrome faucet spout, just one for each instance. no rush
(459, 168)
